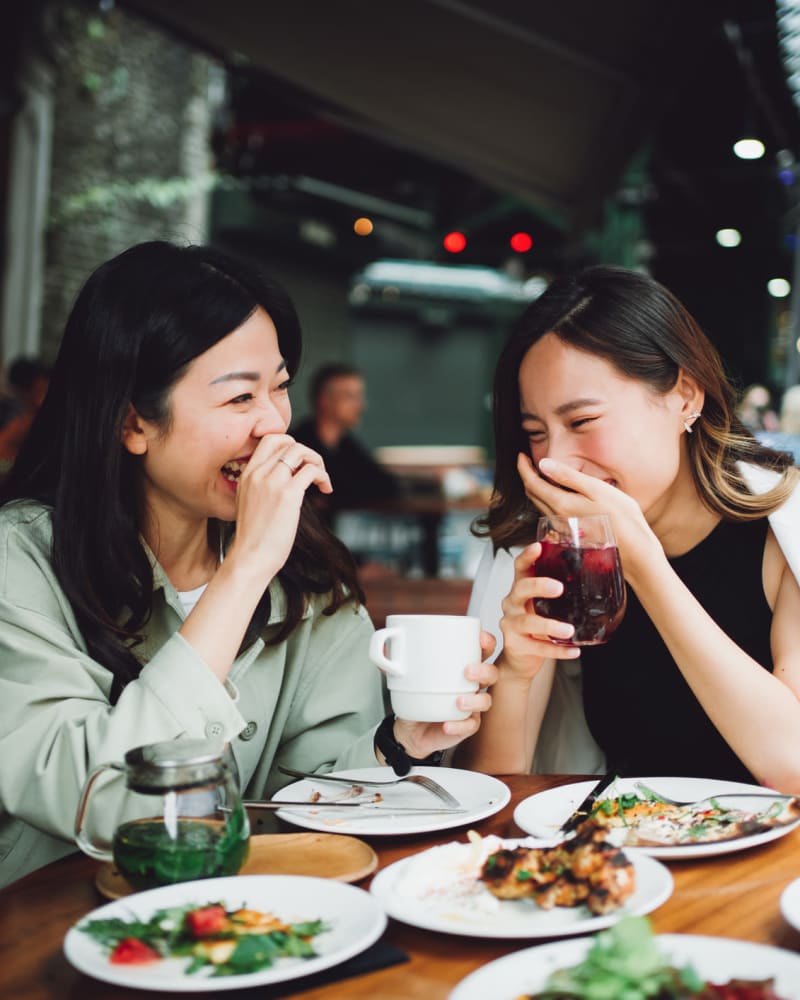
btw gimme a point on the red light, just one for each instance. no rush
(454, 242)
(521, 242)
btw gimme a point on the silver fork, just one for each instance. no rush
(415, 779)
(652, 793)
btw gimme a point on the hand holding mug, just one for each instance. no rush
(425, 663)
(445, 706)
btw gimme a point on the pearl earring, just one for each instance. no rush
(687, 426)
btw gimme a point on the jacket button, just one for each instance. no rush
(214, 730)
(249, 731)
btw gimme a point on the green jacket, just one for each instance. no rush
(311, 702)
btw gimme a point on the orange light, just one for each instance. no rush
(521, 242)
(363, 226)
(454, 242)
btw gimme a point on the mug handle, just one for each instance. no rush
(84, 841)
(376, 650)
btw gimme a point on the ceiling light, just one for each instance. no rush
(778, 288)
(521, 242)
(749, 148)
(729, 237)
(454, 242)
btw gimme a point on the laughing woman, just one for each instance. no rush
(609, 398)
(162, 573)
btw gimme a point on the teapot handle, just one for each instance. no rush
(86, 844)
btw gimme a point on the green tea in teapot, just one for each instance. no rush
(194, 824)
(148, 855)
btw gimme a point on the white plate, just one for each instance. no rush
(355, 919)
(437, 890)
(715, 959)
(790, 904)
(542, 814)
(479, 794)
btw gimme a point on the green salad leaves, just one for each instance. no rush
(623, 963)
(229, 942)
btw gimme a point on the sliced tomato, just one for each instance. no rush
(132, 951)
(207, 921)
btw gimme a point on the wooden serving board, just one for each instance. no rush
(324, 855)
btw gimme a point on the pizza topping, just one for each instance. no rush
(650, 822)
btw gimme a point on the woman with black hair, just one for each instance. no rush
(163, 574)
(610, 399)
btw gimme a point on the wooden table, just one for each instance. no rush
(734, 895)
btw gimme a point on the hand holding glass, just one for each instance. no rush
(582, 553)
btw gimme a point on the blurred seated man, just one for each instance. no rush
(338, 399)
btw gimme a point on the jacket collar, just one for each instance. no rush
(278, 603)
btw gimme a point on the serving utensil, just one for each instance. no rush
(415, 779)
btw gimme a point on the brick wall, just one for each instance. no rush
(131, 152)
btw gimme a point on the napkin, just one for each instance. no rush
(378, 956)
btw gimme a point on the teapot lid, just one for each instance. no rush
(174, 765)
(175, 753)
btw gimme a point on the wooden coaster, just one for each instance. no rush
(325, 855)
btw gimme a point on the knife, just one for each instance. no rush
(372, 807)
(584, 810)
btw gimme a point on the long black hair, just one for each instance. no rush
(645, 333)
(136, 326)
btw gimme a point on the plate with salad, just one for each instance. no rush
(636, 817)
(225, 933)
(629, 961)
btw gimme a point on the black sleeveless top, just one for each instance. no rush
(639, 708)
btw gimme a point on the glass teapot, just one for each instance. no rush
(187, 818)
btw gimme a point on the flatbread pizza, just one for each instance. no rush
(633, 820)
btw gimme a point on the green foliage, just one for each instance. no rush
(92, 82)
(95, 28)
(158, 192)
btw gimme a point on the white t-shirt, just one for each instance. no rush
(565, 745)
(189, 598)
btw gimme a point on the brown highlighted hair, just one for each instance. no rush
(645, 333)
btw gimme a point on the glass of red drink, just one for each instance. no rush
(582, 553)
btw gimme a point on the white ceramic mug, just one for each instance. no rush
(425, 663)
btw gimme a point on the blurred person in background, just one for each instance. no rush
(338, 399)
(787, 437)
(28, 380)
(755, 409)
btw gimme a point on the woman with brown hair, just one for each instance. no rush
(610, 399)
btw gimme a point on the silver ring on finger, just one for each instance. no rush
(289, 466)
